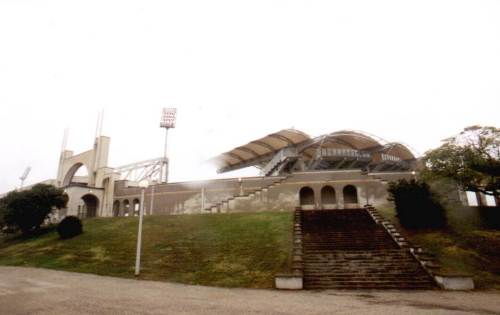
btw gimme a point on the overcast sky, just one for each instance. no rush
(409, 71)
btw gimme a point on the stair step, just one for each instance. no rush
(348, 249)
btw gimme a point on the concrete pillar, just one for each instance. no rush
(462, 196)
(339, 190)
(481, 200)
(362, 193)
(317, 197)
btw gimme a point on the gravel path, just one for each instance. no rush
(42, 291)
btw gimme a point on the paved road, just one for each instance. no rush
(41, 291)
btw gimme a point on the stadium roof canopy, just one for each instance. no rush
(344, 139)
(258, 150)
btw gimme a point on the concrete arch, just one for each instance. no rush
(99, 179)
(70, 173)
(350, 193)
(328, 197)
(306, 197)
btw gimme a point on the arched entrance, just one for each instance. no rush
(116, 208)
(350, 196)
(306, 197)
(328, 198)
(91, 206)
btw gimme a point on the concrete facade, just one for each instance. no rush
(339, 170)
(199, 196)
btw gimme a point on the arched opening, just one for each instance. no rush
(77, 175)
(328, 198)
(116, 208)
(306, 196)
(126, 207)
(350, 194)
(91, 204)
(136, 206)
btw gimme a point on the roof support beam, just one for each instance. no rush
(282, 138)
(263, 144)
(236, 156)
(252, 152)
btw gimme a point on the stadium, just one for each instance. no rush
(342, 169)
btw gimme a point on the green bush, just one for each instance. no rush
(27, 209)
(69, 227)
(416, 206)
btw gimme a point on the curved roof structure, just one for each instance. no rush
(344, 139)
(399, 150)
(253, 152)
(262, 151)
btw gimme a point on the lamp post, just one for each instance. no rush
(143, 185)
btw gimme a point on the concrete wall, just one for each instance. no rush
(75, 194)
(186, 197)
(470, 218)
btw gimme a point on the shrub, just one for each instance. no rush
(416, 206)
(69, 227)
(28, 209)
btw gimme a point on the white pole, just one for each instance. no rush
(139, 236)
(165, 155)
(202, 199)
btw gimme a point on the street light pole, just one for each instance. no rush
(143, 185)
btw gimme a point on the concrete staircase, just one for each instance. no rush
(347, 249)
(226, 204)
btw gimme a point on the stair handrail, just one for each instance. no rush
(282, 155)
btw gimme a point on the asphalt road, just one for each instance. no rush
(42, 291)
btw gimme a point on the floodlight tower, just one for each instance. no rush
(24, 176)
(168, 118)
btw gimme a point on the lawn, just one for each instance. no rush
(229, 250)
(460, 250)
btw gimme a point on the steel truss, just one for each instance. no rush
(151, 170)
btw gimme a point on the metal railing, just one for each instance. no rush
(281, 156)
(326, 152)
(388, 157)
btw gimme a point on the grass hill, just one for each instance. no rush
(231, 250)
(461, 248)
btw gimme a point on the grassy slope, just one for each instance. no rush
(233, 250)
(475, 252)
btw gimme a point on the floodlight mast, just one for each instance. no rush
(168, 119)
(24, 176)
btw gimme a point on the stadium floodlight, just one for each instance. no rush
(168, 119)
(24, 176)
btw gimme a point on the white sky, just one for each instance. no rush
(410, 71)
